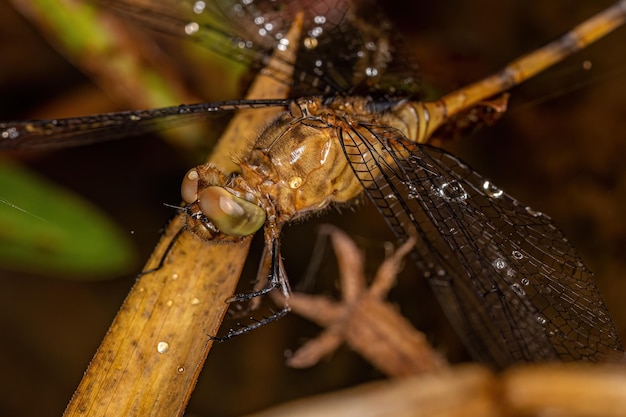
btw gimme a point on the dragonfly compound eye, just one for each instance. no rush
(229, 213)
(189, 187)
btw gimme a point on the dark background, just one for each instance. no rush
(560, 149)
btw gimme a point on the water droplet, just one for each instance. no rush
(541, 320)
(452, 191)
(284, 42)
(517, 254)
(259, 20)
(371, 46)
(441, 272)
(180, 369)
(195, 301)
(525, 281)
(316, 31)
(499, 263)
(319, 20)
(371, 71)
(198, 7)
(163, 347)
(517, 289)
(192, 28)
(413, 192)
(532, 212)
(491, 190)
(310, 43)
(174, 276)
(10, 133)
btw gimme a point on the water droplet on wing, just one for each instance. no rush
(499, 263)
(452, 191)
(517, 289)
(491, 190)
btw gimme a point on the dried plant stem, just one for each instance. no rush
(148, 362)
(573, 390)
(461, 392)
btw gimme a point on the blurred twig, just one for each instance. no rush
(464, 391)
(573, 390)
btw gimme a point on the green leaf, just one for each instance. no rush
(47, 230)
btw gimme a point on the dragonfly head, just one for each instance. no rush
(233, 213)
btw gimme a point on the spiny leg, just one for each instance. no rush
(250, 327)
(277, 278)
(166, 253)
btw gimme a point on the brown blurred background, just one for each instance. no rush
(560, 149)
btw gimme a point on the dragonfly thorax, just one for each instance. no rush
(298, 161)
(296, 166)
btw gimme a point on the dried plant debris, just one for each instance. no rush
(362, 318)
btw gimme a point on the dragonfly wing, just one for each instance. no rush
(511, 284)
(347, 46)
(55, 133)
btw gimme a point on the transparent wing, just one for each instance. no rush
(512, 286)
(347, 46)
(33, 134)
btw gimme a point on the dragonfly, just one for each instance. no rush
(511, 284)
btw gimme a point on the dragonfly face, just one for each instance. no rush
(513, 287)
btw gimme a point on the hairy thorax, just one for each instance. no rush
(299, 162)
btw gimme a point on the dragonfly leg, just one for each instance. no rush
(166, 253)
(250, 327)
(273, 278)
(187, 211)
(276, 279)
